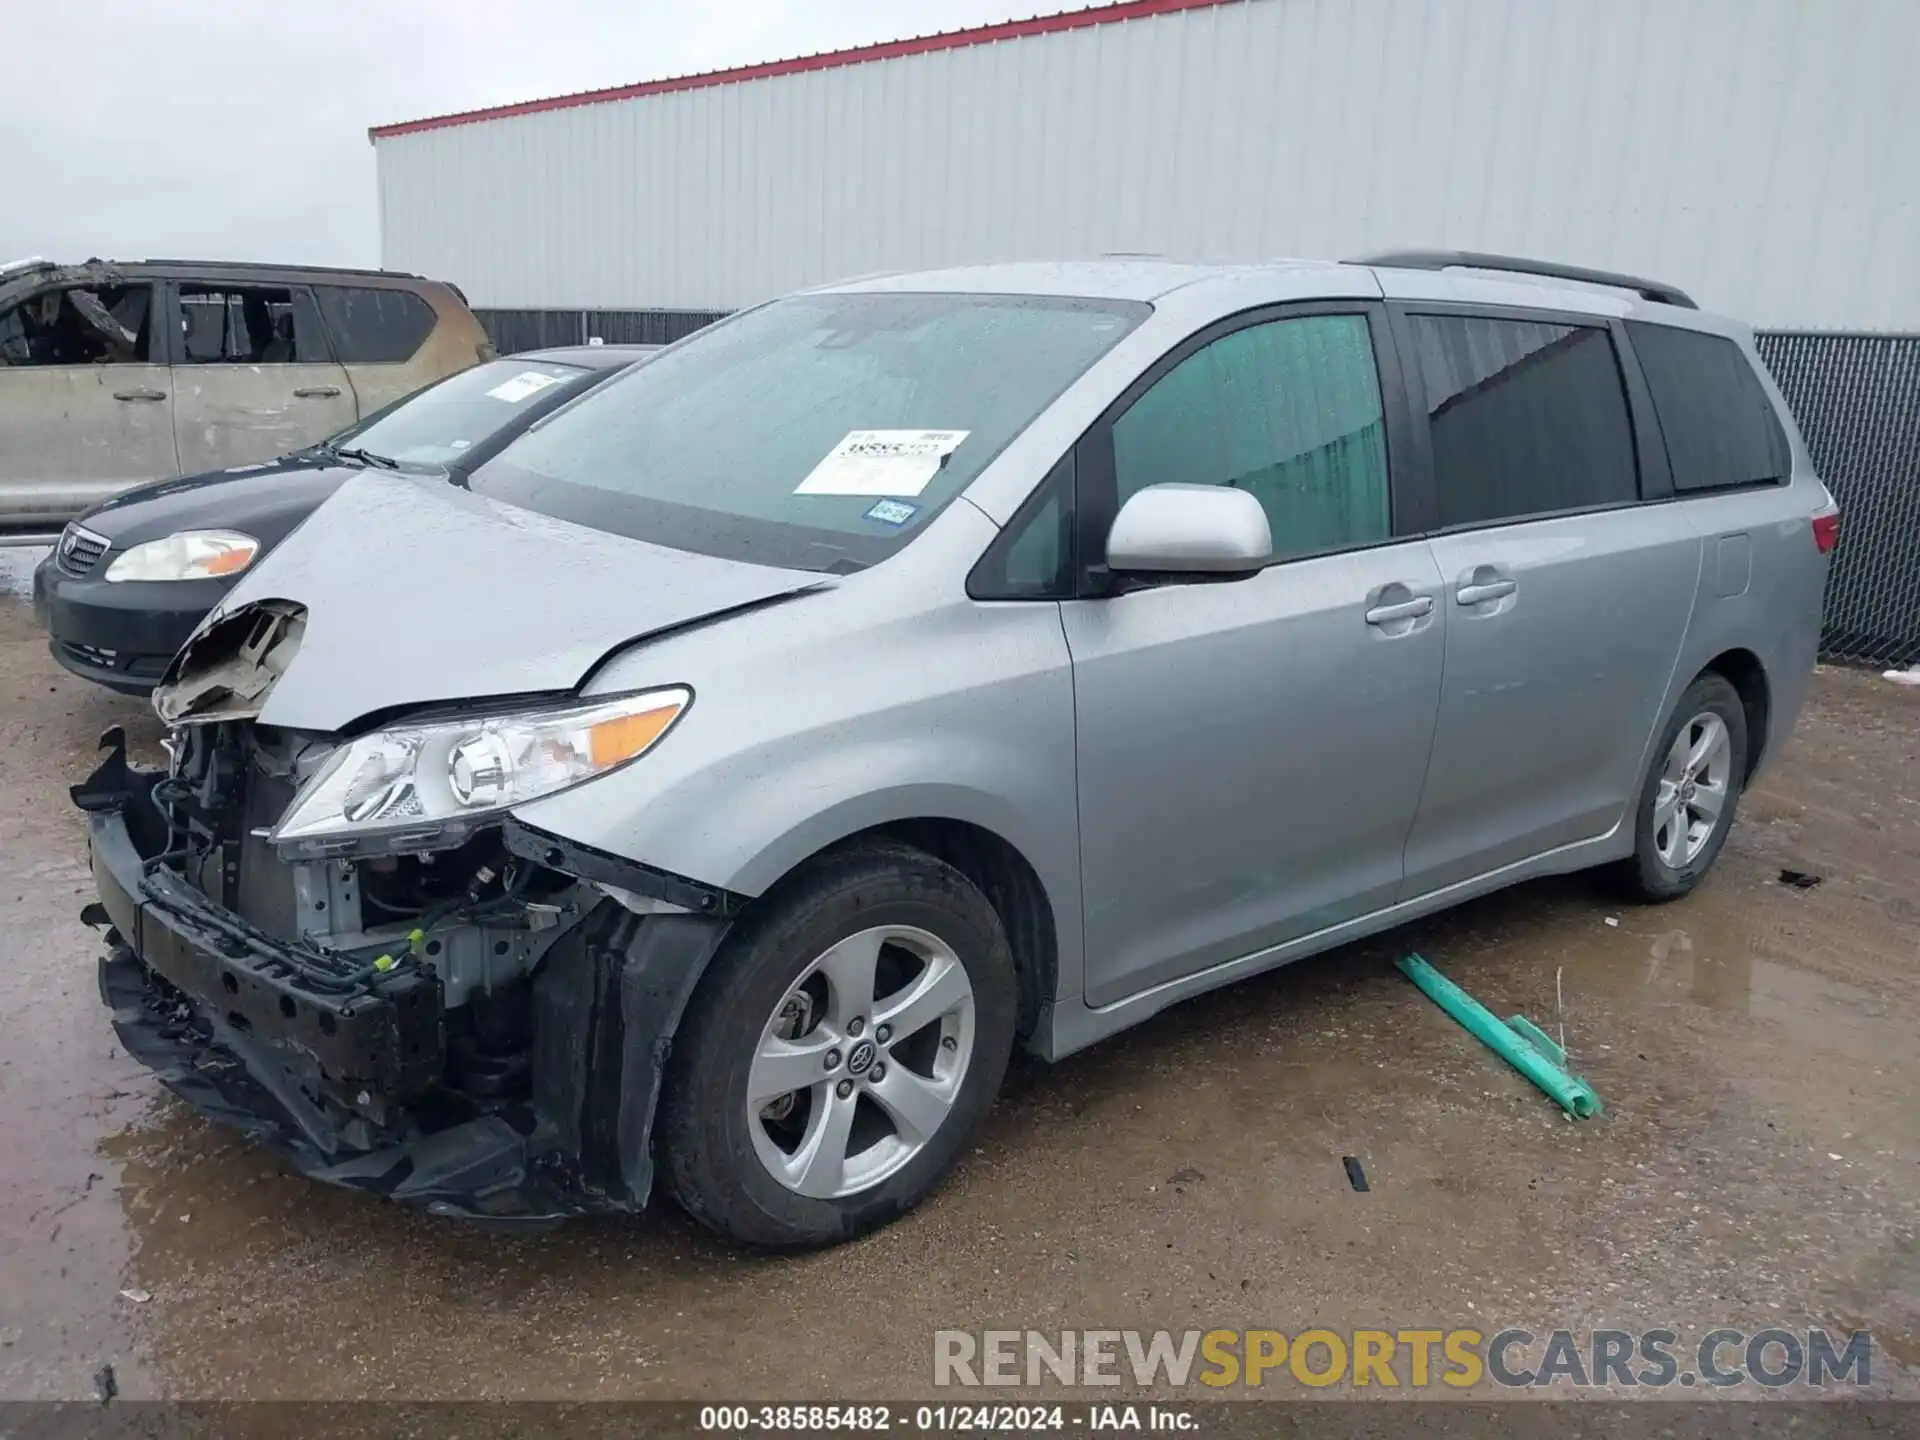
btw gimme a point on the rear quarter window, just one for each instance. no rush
(1720, 428)
(372, 326)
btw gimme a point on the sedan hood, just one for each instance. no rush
(403, 591)
(264, 501)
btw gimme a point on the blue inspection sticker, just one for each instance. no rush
(892, 512)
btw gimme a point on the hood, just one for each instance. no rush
(264, 501)
(412, 592)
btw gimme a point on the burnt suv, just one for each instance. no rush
(117, 373)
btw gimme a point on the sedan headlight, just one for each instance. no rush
(433, 784)
(188, 555)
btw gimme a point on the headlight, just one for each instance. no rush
(189, 555)
(433, 784)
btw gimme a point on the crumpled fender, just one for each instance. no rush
(605, 1008)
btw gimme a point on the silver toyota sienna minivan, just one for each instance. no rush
(723, 783)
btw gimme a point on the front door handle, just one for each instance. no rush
(1404, 610)
(1479, 594)
(139, 394)
(316, 392)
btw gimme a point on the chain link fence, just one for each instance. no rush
(1857, 400)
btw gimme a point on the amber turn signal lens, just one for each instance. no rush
(228, 562)
(612, 741)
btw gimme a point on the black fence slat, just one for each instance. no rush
(513, 331)
(1856, 399)
(647, 327)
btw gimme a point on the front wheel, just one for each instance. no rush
(846, 1042)
(1687, 803)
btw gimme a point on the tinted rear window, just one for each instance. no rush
(1720, 428)
(372, 326)
(1528, 417)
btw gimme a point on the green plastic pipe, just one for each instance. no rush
(1518, 1041)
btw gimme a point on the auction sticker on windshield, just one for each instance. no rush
(891, 512)
(521, 386)
(882, 462)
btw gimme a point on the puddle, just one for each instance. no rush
(1671, 968)
(16, 569)
(1762, 953)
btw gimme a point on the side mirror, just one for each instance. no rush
(1189, 529)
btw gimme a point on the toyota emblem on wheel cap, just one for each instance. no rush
(860, 1059)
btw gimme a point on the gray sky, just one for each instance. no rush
(224, 129)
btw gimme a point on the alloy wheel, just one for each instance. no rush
(1693, 790)
(861, 1062)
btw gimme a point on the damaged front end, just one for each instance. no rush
(456, 1012)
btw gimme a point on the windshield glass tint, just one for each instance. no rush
(437, 425)
(818, 432)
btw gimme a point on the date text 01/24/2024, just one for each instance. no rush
(943, 1419)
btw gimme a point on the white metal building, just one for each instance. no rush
(1763, 155)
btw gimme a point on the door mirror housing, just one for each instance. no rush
(1189, 530)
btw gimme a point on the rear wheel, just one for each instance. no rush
(843, 1047)
(1687, 803)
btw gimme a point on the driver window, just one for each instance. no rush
(99, 325)
(1288, 411)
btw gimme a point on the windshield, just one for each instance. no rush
(436, 426)
(817, 432)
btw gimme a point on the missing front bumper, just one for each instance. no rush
(490, 1169)
(345, 1087)
(209, 1015)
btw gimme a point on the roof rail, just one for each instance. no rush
(275, 265)
(1474, 260)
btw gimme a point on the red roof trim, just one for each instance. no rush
(829, 60)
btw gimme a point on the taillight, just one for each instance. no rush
(1826, 530)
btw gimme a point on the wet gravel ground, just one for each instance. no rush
(1757, 1047)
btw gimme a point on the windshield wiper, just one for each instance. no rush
(367, 457)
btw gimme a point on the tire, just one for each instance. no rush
(1667, 863)
(774, 997)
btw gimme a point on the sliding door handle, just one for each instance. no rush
(316, 392)
(139, 394)
(1405, 610)
(1480, 594)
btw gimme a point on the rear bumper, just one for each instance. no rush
(204, 1011)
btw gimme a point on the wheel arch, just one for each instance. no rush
(1012, 887)
(999, 869)
(1744, 670)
